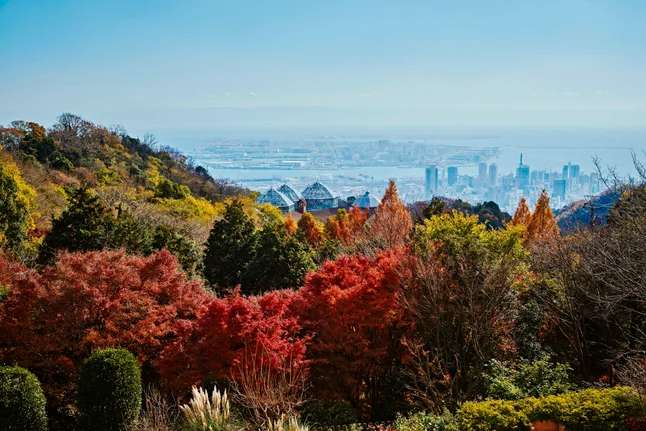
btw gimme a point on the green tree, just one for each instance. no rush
(281, 261)
(86, 224)
(230, 247)
(185, 249)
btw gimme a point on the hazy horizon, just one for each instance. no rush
(360, 64)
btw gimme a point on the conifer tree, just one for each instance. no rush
(392, 223)
(522, 215)
(230, 247)
(542, 224)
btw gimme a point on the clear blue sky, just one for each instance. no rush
(319, 63)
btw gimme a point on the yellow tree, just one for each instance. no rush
(392, 223)
(542, 224)
(311, 229)
(522, 215)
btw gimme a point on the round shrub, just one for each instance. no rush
(109, 392)
(22, 402)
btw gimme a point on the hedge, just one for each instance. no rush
(589, 410)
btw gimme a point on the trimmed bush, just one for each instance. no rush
(109, 392)
(589, 410)
(493, 415)
(22, 402)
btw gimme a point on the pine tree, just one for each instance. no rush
(543, 224)
(522, 215)
(230, 247)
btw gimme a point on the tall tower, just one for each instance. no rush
(431, 181)
(493, 174)
(451, 175)
(522, 174)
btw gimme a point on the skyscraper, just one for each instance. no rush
(493, 173)
(432, 181)
(522, 174)
(574, 171)
(452, 175)
(566, 171)
(482, 173)
(558, 188)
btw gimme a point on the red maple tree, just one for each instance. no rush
(231, 330)
(350, 307)
(52, 320)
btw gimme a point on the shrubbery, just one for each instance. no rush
(109, 391)
(22, 402)
(527, 379)
(589, 410)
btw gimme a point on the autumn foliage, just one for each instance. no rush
(311, 229)
(54, 319)
(350, 308)
(229, 331)
(392, 223)
(346, 226)
(542, 224)
(522, 216)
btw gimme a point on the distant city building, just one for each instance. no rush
(566, 171)
(432, 181)
(558, 188)
(493, 173)
(367, 201)
(574, 171)
(482, 173)
(522, 174)
(452, 175)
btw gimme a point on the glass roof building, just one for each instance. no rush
(317, 196)
(277, 199)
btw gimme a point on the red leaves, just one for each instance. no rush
(92, 300)
(350, 307)
(230, 329)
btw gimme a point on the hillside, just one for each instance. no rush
(125, 171)
(583, 213)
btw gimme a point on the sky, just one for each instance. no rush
(289, 64)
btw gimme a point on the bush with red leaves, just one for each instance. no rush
(50, 321)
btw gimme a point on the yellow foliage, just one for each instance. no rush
(26, 193)
(190, 208)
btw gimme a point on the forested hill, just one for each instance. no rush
(157, 185)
